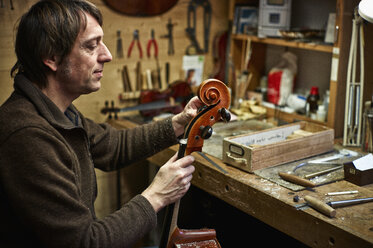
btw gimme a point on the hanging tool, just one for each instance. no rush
(195, 48)
(138, 76)
(167, 73)
(169, 26)
(135, 40)
(151, 42)
(119, 45)
(127, 87)
(354, 90)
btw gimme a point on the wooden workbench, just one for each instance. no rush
(273, 204)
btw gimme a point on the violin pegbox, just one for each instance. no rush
(216, 97)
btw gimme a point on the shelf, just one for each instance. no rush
(287, 43)
(291, 117)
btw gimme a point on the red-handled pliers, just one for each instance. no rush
(135, 40)
(150, 42)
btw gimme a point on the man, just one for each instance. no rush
(48, 150)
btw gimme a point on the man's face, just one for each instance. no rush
(80, 72)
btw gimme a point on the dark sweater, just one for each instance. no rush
(47, 178)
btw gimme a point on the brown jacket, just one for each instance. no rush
(47, 178)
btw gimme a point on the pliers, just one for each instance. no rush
(150, 42)
(135, 40)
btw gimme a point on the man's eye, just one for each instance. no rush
(92, 46)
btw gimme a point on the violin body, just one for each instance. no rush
(141, 7)
(216, 97)
(178, 91)
(202, 238)
(219, 56)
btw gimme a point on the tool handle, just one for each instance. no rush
(320, 206)
(297, 180)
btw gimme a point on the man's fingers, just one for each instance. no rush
(185, 161)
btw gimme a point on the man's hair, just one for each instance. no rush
(49, 29)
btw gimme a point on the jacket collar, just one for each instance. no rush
(46, 108)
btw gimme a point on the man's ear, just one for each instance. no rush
(51, 63)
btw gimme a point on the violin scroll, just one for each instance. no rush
(216, 97)
(211, 91)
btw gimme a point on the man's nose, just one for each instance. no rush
(105, 55)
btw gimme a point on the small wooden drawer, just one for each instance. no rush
(277, 145)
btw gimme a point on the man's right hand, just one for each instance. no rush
(171, 182)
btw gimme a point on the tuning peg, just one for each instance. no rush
(225, 115)
(206, 132)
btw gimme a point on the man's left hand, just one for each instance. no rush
(180, 120)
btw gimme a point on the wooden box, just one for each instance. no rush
(358, 175)
(277, 145)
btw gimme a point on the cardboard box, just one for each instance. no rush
(360, 171)
(277, 145)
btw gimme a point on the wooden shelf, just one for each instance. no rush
(291, 117)
(287, 43)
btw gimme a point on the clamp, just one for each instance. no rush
(135, 40)
(150, 42)
(170, 26)
(195, 48)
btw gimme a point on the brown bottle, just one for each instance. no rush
(312, 100)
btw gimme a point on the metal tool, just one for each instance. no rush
(151, 42)
(344, 203)
(195, 48)
(319, 173)
(212, 162)
(169, 26)
(135, 40)
(343, 153)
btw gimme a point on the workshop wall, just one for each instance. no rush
(91, 104)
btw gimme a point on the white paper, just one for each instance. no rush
(193, 67)
(364, 163)
(267, 137)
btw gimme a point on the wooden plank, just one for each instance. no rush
(287, 43)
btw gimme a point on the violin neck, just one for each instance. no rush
(170, 223)
(175, 215)
(172, 211)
